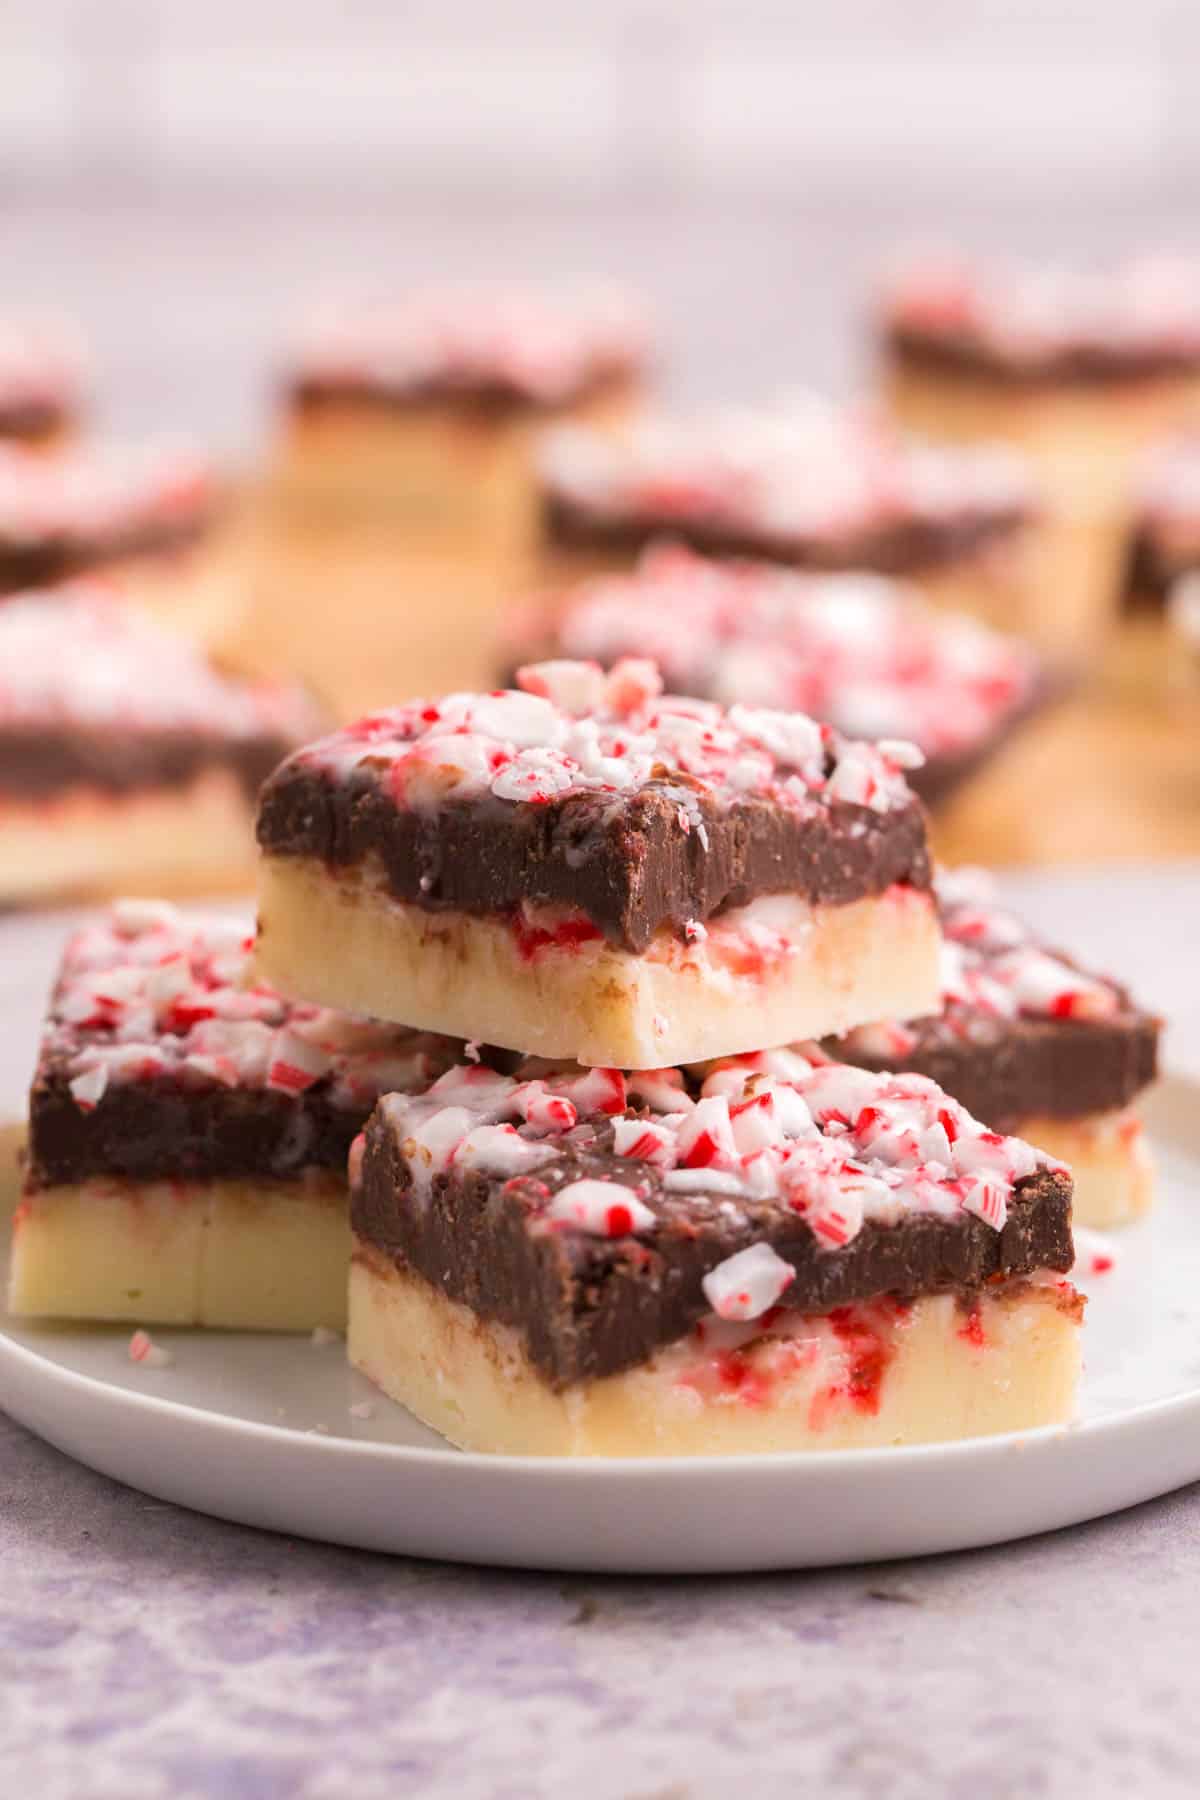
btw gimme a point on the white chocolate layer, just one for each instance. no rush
(252, 1256)
(343, 941)
(1111, 1164)
(199, 591)
(881, 1375)
(178, 840)
(440, 467)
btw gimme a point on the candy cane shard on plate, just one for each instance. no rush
(768, 1253)
(1033, 1042)
(588, 867)
(190, 1131)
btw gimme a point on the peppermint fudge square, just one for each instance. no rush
(768, 1255)
(188, 1133)
(586, 867)
(1079, 369)
(1033, 1043)
(860, 652)
(124, 754)
(815, 487)
(424, 401)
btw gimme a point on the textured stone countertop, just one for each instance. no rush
(149, 1652)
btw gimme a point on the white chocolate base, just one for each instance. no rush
(252, 1256)
(199, 592)
(341, 940)
(1111, 1164)
(86, 843)
(929, 1373)
(439, 468)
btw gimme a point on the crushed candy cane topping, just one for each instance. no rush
(572, 729)
(94, 498)
(1034, 313)
(150, 994)
(759, 1135)
(814, 473)
(144, 1350)
(42, 363)
(74, 655)
(993, 969)
(863, 652)
(544, 345)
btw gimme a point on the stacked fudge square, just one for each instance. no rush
(627, 1218)
(526, 1043)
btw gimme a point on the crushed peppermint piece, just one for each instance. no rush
(1095, 1253)
(144, 1350)
(87, 1089)
(603, 1208)
(746, 1285)
(322, 1337)
(362, 1409)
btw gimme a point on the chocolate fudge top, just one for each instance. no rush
(1023, 1030)
(65, 514)
(600, 794)
(93, 693)
(861, 652)
(1046, 324)
(503, 347)
(42, 373)
(162, 1058)
(817, 486)
(602, 1216)
(1166, 540)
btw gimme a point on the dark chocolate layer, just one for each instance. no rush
(491, 401)
(625, 863)
(60, 558)
(39, 762)
(893, 547)
(587, 1307)
(1068, 365)
(160, 1129)
(1013, 1069)
(31, 421)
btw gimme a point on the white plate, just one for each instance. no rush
(258, 1429)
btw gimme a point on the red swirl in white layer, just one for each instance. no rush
(832, 1144)
(150, 993)
(572, 729)
(546, 344)
(1139, 306)
(42, 363)
(76, 656)
(815, 471)
(860, 651)
(92, 496)
(992, 968)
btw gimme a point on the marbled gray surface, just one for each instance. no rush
(148, 1653)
